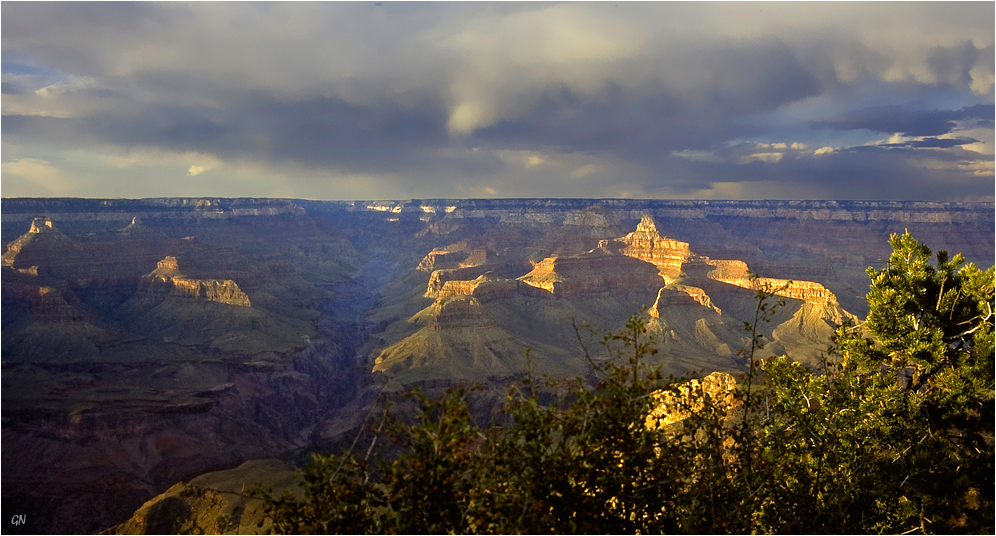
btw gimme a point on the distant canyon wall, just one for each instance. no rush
(559, 211)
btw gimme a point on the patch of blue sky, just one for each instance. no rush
(28, 74)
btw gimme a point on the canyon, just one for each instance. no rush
(149, 346)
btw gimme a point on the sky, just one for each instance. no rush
(394, 100)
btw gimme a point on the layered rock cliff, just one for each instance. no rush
(734, 272)
(682, 289)
(598, 271)
(646, 244)
(167, 274)
(681, 295)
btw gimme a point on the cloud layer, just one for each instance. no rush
(350, 100)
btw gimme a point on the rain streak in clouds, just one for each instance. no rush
(397, 100)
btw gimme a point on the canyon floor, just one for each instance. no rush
(151, 348)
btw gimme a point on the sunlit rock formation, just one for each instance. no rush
(681, 295)
(598, 271)
(458, 255)
(735, 272)
(646, 244)
(676, 405)
(39, 226)
(225, 291)
(439, 278)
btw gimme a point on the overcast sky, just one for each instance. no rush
(791, 100)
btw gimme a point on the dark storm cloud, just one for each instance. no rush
(320, 131)
(910, 122)
(682, 97)
(952, 65)
(941, 143)
(868, 172)
(747, 78)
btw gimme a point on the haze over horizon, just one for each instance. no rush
(393, 100)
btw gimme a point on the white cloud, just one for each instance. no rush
(73, 83)
(982, 79)
(470, 116)
(197, 170)
(897, 138)
(823, 150)
(799, 146)
(768, 158)
(980, 167)
(535, 160)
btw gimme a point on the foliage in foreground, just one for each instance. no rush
(893, 434)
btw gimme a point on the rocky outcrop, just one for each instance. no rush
(692, 331)
(596, 216)
(460, 288)
(457, 340)
(646, 244)
(681, 295)
(138, 229)
(454, 256)
(439, 278)
(441, 259)
(677, 404)
(456, 312)
(167, 273)
(595, 272)
(736, 273)
(216, 503)
(116, 385)
(39, 226)
(486, 288)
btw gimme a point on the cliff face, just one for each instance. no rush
(686, 291)
(439, 278)
(646, 244)
(167, 273)
(737, 273)
(460, 255)
(41, 230)
(681, 295)
(595, 272)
